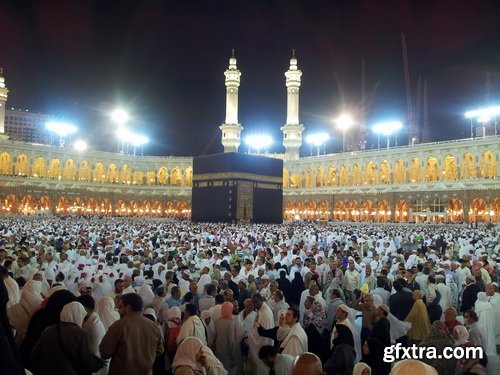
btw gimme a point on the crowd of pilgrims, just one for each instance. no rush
(82, 295)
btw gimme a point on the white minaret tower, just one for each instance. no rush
(292, 131)
(3, 100)
(231, 129)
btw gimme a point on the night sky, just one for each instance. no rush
(164, 60)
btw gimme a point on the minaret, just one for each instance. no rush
(3, 100)
(231, 129)
(292, 130)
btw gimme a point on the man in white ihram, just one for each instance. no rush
(265, 320)
(295, 343)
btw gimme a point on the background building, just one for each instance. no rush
(24, 126)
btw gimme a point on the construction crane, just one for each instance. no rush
(412, 128)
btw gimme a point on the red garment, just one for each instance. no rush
(451, 325)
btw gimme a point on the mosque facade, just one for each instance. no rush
(451, 181)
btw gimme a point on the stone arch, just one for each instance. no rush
(5, 164)
(54, 171)
(183, 209)
(125, 174)
(384, 173)
(45, 203)
(320, 176)
(454, 210)
(138, 178)
(176, 177)
(84, 171)
(69, 171)
(383, 211)
(62, 206)
(296, 180)
(150, 178)
(112, 175)
(332, 176)
(28, 205)
(415, 170)
(156, 208)
(163, 176)
(10, 204)
(352, 208)
(339, 211)
(106, 207)
(365, 210)
(402, 213)
(371, 173)
(286, 178)
(432, 169)
(308, 178)
(188, 176)
(169, 208)
(98, 175)
(468, 166)
(344, 175)
(477, 211)
(488, 165)
(39, 169)
(356, 175)
(22, 166)
(450, 168)
(495, 210)
(399, 172)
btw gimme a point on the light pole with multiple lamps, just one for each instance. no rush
(318, 140)
(258, 142)
(483, 116)
(344, 122)
(387, 128)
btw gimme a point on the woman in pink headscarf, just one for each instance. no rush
(228, 335)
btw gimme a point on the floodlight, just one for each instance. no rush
(120, 116)
(138, 140)
(259, 141)
(62, 129)
(317, 139)
(344, 121)
(387, 128)
(80, 145)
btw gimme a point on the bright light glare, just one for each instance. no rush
(387, 128)
(124, 135)
(80, 145)
(317, 139)
(120, 116)
(259, 141)
(484, 114)
(62, 129)
(138, 140)
(344, 121)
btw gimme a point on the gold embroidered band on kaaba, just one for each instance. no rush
(238, 176)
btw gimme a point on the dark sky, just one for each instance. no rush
(164, 60)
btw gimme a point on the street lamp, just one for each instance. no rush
(62, 129)
(80, 145)
(139, 140)
(387, 128)
(318, 140)
(258, 142)
(483, 116)
(344, 122)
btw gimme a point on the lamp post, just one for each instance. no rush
(258, 142)
(120, 117)
(318, 140)
(387, 128)
(344, 122)
(139, 140)
(62, 129)
(483, 116)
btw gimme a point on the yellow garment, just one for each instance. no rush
(419, 319)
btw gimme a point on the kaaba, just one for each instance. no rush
(234, 187)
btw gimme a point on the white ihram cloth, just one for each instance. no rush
(105, 308)
(13, 291)
(186, 356)
(255, 341)
(295, 343)
(192, 327)
(486, 316)
(73, 312)
(21, 313)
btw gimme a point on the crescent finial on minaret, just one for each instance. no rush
(232, 53)
(293, 53)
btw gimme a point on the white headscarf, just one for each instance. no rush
(186, 356)
(462, 333)
(412, 366)
(105, 308)
(204, 280)
(73, 312)
(360, 367)
(146, 294)
(31, 296)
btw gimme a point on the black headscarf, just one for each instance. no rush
(42, 319)
(10, 359)
(344, 336)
